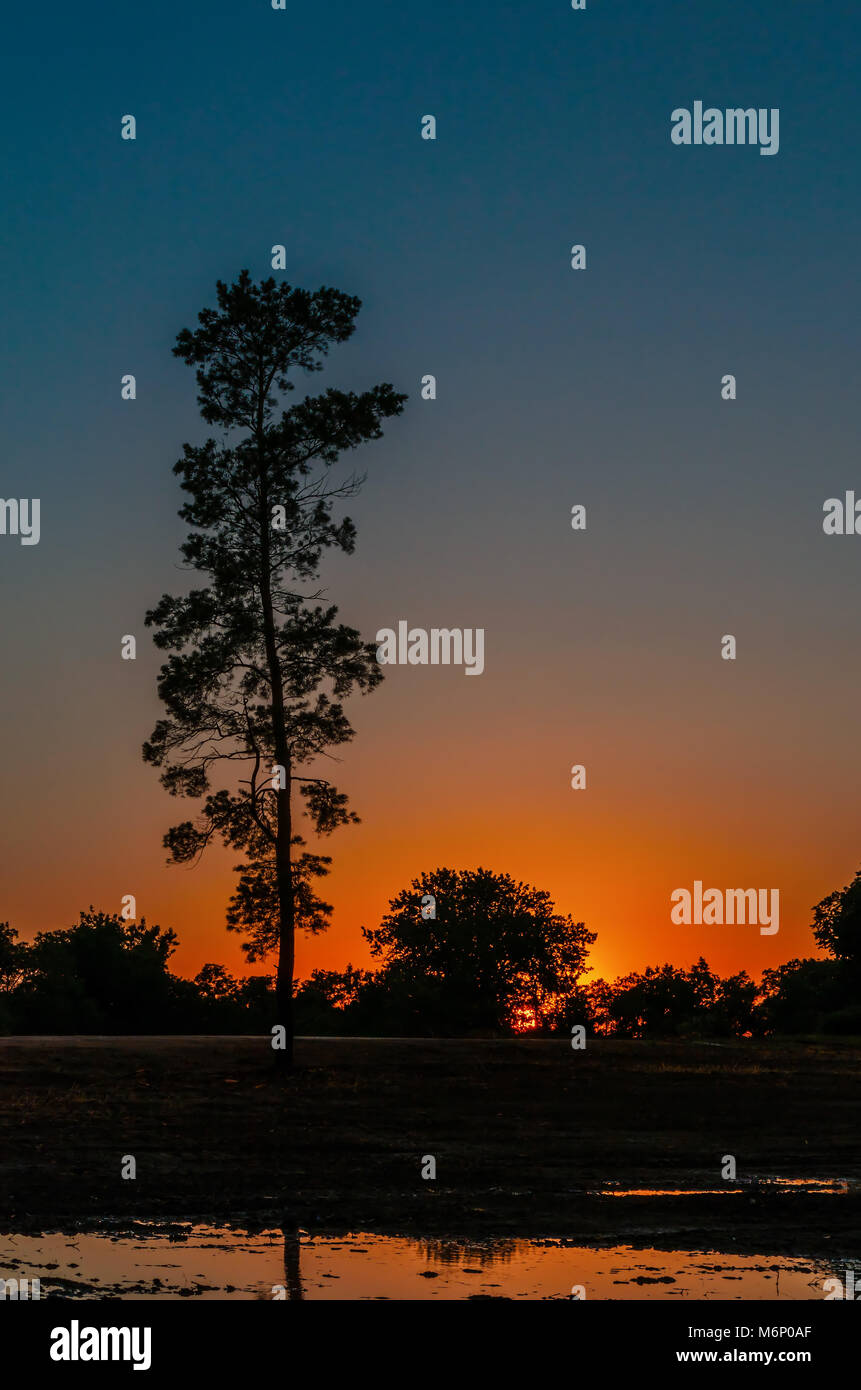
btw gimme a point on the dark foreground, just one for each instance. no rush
(523, 1133)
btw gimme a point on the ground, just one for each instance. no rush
(523, 1133)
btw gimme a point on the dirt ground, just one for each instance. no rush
(523, 1132)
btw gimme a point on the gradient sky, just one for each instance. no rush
(257, 127)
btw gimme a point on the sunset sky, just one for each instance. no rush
(555, 387)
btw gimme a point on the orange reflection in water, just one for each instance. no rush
(213, 1263)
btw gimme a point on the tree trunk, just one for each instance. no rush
(284, 833)
(286, 924)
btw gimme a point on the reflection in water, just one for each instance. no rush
(208, 1262)
(292, 1266)
(458, 1252)
(752, 1186)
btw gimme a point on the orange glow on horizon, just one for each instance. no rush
(437, 782)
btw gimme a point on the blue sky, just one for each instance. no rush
(301, 127)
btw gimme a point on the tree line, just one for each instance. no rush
(460, 953)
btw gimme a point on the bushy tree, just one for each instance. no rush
(837, 922)
(13, 956)
(494, 957)
(669, 1001)
(801, 996)
(102, 975)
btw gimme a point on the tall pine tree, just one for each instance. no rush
(258, 665)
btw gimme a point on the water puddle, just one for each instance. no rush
(217, 1263)
(764, 1185)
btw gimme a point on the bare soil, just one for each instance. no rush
(524, 1132)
